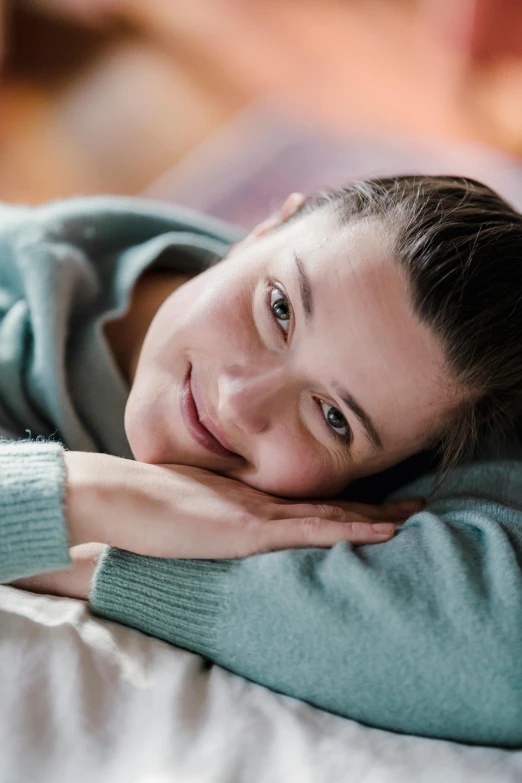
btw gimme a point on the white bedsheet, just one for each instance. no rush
(83, 699)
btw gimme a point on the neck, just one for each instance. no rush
(126, 335)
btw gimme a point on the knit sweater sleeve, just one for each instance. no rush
(33, 533)
(421, 634)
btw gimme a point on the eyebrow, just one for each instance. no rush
(360, 413)
(305, 289)
(351, 403)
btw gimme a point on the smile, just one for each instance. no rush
(190, 411)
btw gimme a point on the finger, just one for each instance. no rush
(335, 512)
(406, 507)
(344, 511)
(318, 532)
(394, 510)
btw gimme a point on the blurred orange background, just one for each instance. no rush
(104, 96)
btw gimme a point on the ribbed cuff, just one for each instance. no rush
(179, 601)
(33, 530)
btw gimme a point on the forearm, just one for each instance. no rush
(51, 500)
(33, 526)
(420, 634)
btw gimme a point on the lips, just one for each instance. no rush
(207, 434)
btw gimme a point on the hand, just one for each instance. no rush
(73, 582)
(184, 512)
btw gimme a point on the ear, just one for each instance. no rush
(291, 205)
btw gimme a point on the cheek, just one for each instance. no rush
(295, 472)
(216, 321)
(144, 422)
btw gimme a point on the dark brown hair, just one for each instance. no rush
(461, 246)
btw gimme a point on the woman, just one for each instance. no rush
(344, 335)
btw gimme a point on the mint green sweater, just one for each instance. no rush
(422, 634)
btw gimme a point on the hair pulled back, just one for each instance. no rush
(461, 246)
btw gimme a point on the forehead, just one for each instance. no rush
(364, 333)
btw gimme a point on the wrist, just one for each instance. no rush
(86, 495)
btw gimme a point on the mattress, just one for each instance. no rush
(85, 699)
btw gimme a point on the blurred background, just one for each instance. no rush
(227, 105)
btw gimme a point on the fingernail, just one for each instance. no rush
(411, 505)
(384, 528)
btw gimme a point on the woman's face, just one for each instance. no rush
(302, 354)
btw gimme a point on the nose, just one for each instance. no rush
(249, 397)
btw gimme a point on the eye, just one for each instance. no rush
(281, 309)
(336, 421)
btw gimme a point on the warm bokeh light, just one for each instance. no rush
(127, 96)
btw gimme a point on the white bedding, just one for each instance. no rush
(83, 699)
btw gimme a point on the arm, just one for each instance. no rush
(422, 634)
(167, 510)
(33, 530)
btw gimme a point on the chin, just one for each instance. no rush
(151, 442)
(140, 447)
(139, 432)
